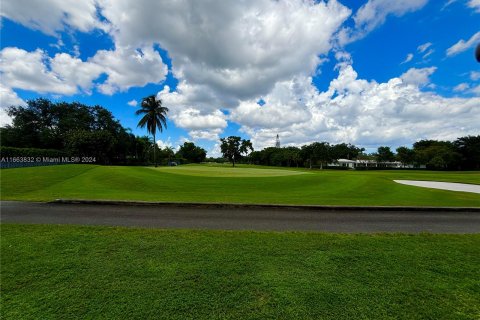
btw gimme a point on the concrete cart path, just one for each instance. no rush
(287, 219)
(465, 187)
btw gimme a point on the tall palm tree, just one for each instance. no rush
(154, 116)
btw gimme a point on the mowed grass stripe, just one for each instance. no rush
(228, 172)
(317, 187)
(99, 272)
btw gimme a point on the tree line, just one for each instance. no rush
(75, 129)
(461, 154)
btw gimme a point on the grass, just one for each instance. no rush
(210, 184)
(65, 272)
(228, 171)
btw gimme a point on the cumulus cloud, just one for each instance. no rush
(30, 71)
(132, 103)
(162, 144)
(8, 98)
(67, 75)
(463, 45)
(238, 49)
(51, 16)
(127, 67)
(366, 113)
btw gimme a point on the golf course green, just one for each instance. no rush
(228, 171)
(242, 184)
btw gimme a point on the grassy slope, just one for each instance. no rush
(317, 187)
(105, 273)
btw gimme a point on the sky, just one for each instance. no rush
(370, 73)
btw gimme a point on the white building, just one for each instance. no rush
(352, 164)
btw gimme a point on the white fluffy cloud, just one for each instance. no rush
(50, 16)
(127, 67)
(31, 71)
(8, 98)
(162, 144)
(463, 45)
(67, 75)
(132, 103)
(238, 49)
(364, 112)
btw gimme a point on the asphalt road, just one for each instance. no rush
(241, 218)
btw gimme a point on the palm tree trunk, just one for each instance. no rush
(154, 151)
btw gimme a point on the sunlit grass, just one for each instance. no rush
(66, 272)
(203, 183)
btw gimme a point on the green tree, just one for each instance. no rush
(437, 154)
(384, 154)
(192, 153)
(317, 152)
(405, 155)
(96, 144)
(469, 148)
(345, 151)
(154, 116)
(233, 148)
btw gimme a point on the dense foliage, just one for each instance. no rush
(190, 153)
(30, 152)
(44, 128)
(462, 154)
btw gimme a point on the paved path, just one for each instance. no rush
(241, 219)
(465, 187)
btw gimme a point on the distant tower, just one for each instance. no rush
(277, 142)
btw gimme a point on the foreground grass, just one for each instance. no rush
(327, 187)
(64, 272)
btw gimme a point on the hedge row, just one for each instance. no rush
(31, 152)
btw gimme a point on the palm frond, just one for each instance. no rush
(154, 114)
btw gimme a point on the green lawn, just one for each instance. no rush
(65, 272)
(223, 184)
(229, 171)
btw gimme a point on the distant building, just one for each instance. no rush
(352, 164)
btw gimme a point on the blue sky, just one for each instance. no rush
(371, 73)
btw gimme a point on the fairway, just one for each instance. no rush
(227, 171)
(209, 184)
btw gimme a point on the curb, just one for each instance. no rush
(204, 205)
